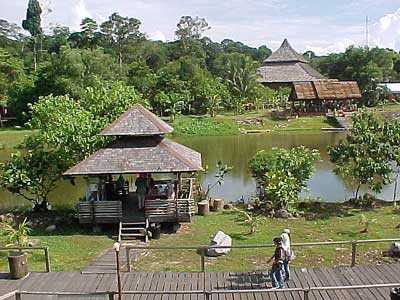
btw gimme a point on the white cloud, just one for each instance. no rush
(336, 47)
(157, 36)
(79, 12)
(386, 32)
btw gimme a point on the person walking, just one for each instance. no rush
(287, 257)
(276, 271)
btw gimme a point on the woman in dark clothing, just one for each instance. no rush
(276, 272)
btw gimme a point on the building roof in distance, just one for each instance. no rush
(137, 121)
(331, 89)
(285, 65)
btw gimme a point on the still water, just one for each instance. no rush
(236, 151)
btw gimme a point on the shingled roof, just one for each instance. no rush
(285, 65)
(325, 90)
(137, 121)
(146, 154)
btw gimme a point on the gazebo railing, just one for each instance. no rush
(99, 211)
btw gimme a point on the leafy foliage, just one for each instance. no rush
(16, 236)
(363, 158)
(281, 174)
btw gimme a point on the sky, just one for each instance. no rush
(322, 26)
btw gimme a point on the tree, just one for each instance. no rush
(281, 174)
(190, 28)
(363, 157)
(118, 31)
(32, 175)
(392, 137)
(10, 30)
(240, 73)
(32, 24)
(174, 104)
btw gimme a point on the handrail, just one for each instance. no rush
(207, 293)
(45, 250)
(203, 248)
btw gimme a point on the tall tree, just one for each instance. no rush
(190, 29)
(32, 24)
(119, 31)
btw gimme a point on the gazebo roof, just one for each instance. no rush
(285, 65)
(331, 89)
(137, 121)
(146, 154)
(285, 53)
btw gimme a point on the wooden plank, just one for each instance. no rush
(317, 282)
(368, 276)
(359, 279)
(333, 280)
(347, 280)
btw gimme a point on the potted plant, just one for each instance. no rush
(17, 237)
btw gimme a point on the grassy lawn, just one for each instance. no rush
(12, 137)
(227, 124)
(71, 246)
(344, 227)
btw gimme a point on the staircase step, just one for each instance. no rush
(133, 234)
(132, 228)
(136, 223)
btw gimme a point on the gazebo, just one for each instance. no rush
(138, 148)
(313, 91)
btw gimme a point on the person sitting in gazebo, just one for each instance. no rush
(141, 189)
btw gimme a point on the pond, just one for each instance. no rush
(236, 151)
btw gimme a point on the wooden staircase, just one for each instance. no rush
(133, 231)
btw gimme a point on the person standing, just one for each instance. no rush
(276, 271)
(285, 236)
(141, 189)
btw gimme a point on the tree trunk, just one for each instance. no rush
(34, 54)
(395, 190)
(120, 62)
(358, 189)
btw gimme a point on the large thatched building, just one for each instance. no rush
(309, 88)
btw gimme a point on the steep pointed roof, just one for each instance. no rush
(285, 53)
(285, 66)
(137, 121)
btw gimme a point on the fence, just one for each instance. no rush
(203, 249)
(206, 293)
(44, 249)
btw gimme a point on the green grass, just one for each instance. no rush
(345, 227)
(12, 137)
(71, 247)
(227, 124)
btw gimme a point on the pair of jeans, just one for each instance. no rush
(276, 277)
(286, 269)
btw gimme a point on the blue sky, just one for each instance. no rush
(322, 26)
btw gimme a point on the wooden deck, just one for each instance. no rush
(164, 281)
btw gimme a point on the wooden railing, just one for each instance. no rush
(305, 291)
(203, 249)
(99, 211)
(44, 249)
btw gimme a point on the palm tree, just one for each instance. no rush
(242, 78)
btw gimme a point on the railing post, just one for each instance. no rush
(306, 294)
(353, 252)
(128, 258)
(110, 295)
(208, 295)
(17, 296)
(47, 259)
(202, 258)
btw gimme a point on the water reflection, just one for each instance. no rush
(236, 151)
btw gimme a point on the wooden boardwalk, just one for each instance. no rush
(163, 281)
